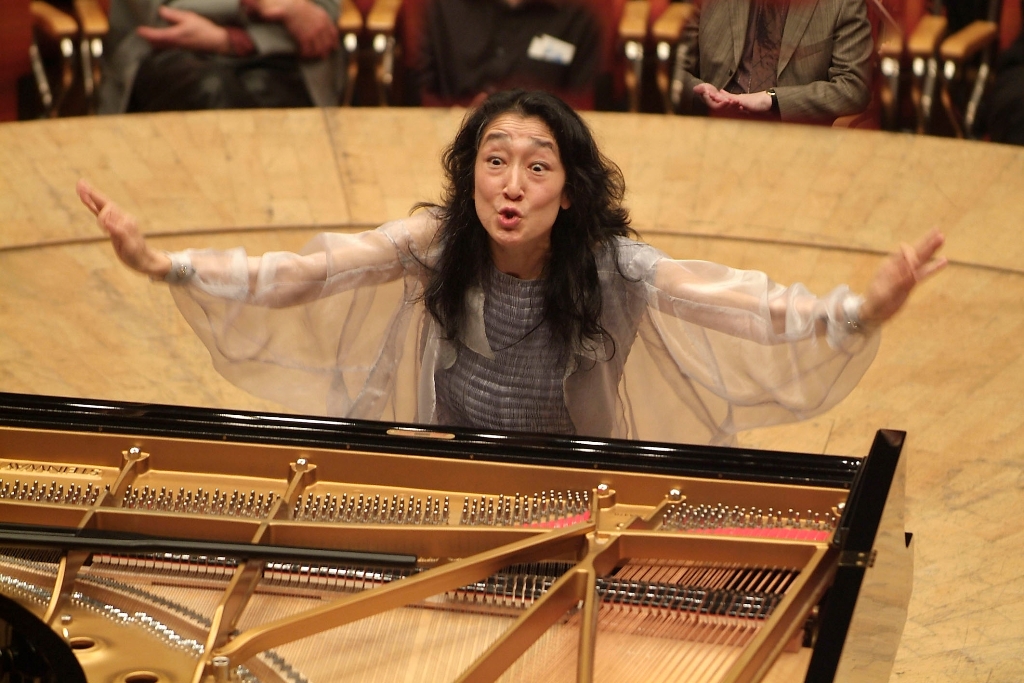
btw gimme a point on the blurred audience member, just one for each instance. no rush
(794, 60)
(471, 48)
(221, 54)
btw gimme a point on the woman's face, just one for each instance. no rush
(519, 188)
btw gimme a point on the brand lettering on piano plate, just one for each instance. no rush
(12, 466)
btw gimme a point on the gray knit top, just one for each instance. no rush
(521, 386)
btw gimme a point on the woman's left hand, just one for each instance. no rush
(897, 277)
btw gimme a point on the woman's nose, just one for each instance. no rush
(513, 183)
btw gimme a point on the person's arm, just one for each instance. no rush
(310, 25)
(276, 279)
(847, 89)
(306, 27)
(748, 304)
(188, 31)
(767, 354)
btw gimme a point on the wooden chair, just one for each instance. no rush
(671, 53)
(35, 38)
(636, 36)
(890, 46)
(967, 57)
(923, 52)
(883, 109)
(381, 23)
(956, 63)
(351, 23)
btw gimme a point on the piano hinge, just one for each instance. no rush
(852, 558)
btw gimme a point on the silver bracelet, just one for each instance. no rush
(851, 314)
(181, 269)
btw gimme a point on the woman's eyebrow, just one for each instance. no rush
(497, 135)
(545, 143)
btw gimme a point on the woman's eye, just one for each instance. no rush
(537, 168)
(494, 161)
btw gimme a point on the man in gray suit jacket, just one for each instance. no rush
(205, 54)
(794, 60)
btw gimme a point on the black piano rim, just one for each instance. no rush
(283, 429)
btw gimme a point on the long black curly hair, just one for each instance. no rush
(595, 187)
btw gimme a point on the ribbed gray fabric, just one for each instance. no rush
(521, 387)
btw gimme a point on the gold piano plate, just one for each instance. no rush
(165, 544)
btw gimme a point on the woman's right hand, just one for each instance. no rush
(123, 230)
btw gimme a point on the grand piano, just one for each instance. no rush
(153, 544)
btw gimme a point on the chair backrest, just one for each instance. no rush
(411, 21)
(1009, 23)
(909, 12)
(15, 38)
(609, 12)
(657, 7)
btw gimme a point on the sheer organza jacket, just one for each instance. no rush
(701, 351)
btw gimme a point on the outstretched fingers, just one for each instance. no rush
(926, 253)
(118, 225)
(922, 257)
(91, 197)
(931, 267)
(123, 230)
(111, 219)
(899, 275)
(121, 227)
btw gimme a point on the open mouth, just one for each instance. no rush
(509, 217)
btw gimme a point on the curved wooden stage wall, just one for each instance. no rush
(805, 204)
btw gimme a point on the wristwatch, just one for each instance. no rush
(775, 103)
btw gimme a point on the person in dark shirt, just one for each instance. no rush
(471, 48)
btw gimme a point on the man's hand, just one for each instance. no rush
(308, 24)
(898, 275)
(188, 31)
(753, 102)
(722, 103)
(716, 100)
(271, 10)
